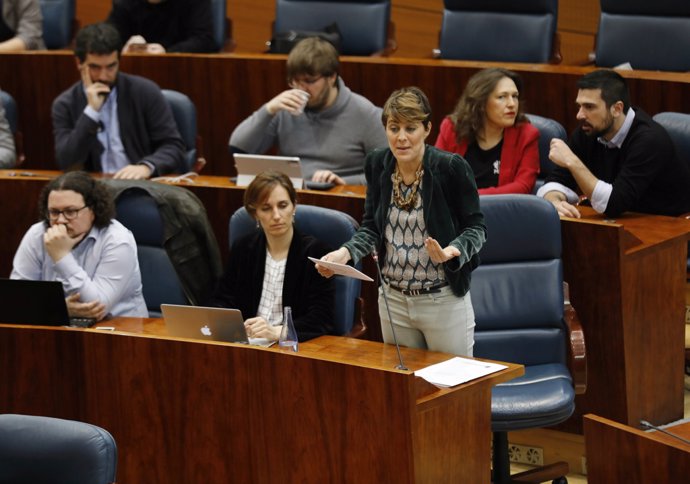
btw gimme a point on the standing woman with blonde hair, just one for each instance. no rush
(490, 130)
(422, 215)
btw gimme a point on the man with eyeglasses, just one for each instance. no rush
(79, 243)
(113, 122)
(318, 119)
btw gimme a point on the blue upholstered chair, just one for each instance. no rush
(10, 107)
(58, 22)
(500, 30)
(45, 450)
(184, 112)
(678, 127)
(649, 35)
(548, 130)
(332, 228)
(364, 25)
(10, 110)
(138, 211)
(523, 317)
(222, 26)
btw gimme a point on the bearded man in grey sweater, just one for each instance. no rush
(319, 119)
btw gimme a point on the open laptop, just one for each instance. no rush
(36, 302)
(208, 324)
(248, 166)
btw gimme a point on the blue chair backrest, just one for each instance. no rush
(517, 290)
(649, 35)
(58, 22)
(184, 112)
(498, 30)
(138, 211)
(10, 110)
(332, 228)
(678, 127)
(363, 24)
(548, 130)
(44, 449)
(220, 22)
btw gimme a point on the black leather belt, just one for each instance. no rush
(418, 292)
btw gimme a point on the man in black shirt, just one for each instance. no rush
(619, 158)
(160, 26)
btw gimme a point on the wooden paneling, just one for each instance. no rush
(627, 282)
(184, 411)
(618, 453)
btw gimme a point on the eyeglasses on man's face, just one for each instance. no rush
(68, 213)
(304, 81)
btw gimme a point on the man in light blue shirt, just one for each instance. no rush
(80, 244)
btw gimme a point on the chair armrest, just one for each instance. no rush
(391, 43)
(556, 56)
(200, 161)
(359, 328)
(577, 350)
(229, 44)
(19, 149)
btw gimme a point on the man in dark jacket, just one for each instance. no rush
(113, 122)
(619, 158)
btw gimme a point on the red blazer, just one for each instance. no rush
(519, 156)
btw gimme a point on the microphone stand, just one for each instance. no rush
(401, 365)
(648, 425)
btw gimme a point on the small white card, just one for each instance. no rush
(342, 269)
(456, 371)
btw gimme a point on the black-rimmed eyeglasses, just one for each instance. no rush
(68, 213)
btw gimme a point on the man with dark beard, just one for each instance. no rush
(619, 158)
(113, 122)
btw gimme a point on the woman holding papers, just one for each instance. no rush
(268, 269)
(422, 215)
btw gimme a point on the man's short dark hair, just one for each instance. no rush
(98, 39)
(613, 87)
(96, 196)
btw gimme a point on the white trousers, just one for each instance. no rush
(439, 321)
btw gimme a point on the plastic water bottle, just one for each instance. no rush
(288, 335)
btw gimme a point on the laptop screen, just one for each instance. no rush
(33, 302)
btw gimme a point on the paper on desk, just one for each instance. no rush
(456, 371)
(342, 269)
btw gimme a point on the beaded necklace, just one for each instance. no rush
(406, 203)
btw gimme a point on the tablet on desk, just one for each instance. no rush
(248, 166)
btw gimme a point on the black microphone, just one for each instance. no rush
(401, 365)
(648, 425)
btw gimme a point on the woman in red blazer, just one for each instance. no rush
(490, 130)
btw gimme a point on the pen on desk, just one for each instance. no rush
(106, 328)
(21, 173)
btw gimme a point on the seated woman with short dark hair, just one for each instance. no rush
(490, 130)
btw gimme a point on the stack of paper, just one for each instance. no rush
(456, 371)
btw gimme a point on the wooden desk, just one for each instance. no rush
(228, 88)
(185, 411)
(618, 453)
(627, 283)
